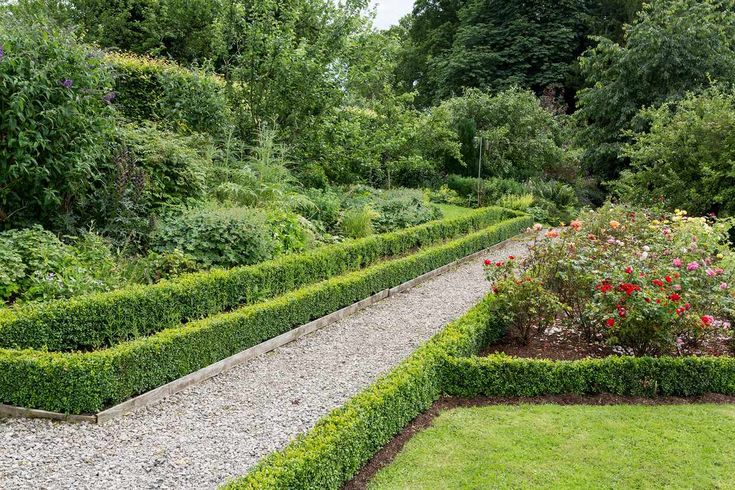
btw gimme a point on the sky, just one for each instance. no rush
(389, 12)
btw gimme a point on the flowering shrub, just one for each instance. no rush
(648, 283)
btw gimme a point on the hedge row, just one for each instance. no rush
(98, 320)
(342, 442)
(181, 99)
(88, 382)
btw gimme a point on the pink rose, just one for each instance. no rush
(677, 262)
(692, 266)
(723, 285)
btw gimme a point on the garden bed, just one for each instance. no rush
(84, 382)
(455, 362)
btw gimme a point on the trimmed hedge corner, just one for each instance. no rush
(342, 442)
(82, 382)
(105, 319)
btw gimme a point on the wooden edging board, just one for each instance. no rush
(212, 370)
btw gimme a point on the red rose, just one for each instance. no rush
(675, 297)
(511, 257)
(629, 270)
(488, 261)
(610, 322)
(668, 278)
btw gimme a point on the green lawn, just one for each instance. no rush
(451, 211)
(551, 446)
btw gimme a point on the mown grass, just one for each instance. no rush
(552, 446)
(452, 211)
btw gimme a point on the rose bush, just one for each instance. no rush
(650, 283)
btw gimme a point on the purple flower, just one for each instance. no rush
(723, 285)
(66, 83)
(2, 52)
(109, 97)
(692, 266)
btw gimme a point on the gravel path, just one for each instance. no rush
(202, 436)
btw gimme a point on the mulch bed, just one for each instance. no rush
(559, 344)
(385, 456)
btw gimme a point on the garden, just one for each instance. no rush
(275, 244)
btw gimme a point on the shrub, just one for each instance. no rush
(520, 137)
(519, 202)
(490, 189)
(524, 306)
(54, 121)
(218, 237)
(39, 266)
(685, 159)
(401, 208)
(288, 230)
(185, 100)
(154, 267)
(150, 169)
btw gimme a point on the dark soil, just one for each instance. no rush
(565, 345)
(385, 456)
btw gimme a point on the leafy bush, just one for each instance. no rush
(685, 159)
(39, 266)
(524, 306)
(105, 318)
(154, 267)
(184, 100)
(402, 208)
(520, 203)
(150, 170)
(554, 202)
(289, 231)
(490, 189)
(218, 237)
(54, 123)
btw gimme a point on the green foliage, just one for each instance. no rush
(524, 306)
(519, 136)
(500, 44)
(673, 47)
(181, 29)
(104, 319)
(150, 169)
(183, 100)
(155, 267)
(39, 266)
(86, 382)
(54, 121)
(288, 230)
(357, 222)
(401, 208)
(226, 237)
(518, 202)
(686, 158)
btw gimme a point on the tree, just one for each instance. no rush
(520, 137)
(687, 159)
(674, 47)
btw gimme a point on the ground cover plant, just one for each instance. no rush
(540, 446)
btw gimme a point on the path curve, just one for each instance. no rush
(204, 435)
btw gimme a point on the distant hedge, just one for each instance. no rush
(342, 442)
(185, 100)
(87, 382)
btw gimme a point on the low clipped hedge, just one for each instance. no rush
(98, 320)
(182, 99)
(87, 382)
(342, 442)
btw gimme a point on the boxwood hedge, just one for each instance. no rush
(80, 382)
(342, 442)
(105, 319)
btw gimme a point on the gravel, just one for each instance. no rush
(209, 433)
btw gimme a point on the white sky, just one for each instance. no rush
(389, 12)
